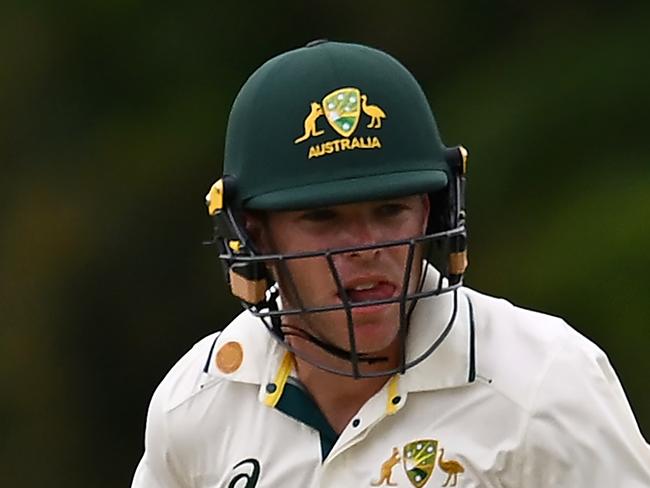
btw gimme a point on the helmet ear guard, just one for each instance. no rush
(457, 258)
(248, 281)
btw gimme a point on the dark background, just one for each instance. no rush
(112, 116)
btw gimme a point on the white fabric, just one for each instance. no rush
(546, 410)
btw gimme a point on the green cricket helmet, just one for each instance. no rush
(329, 124)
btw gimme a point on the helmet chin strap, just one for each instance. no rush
(291, 331)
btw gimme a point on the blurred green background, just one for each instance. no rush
(112, 116)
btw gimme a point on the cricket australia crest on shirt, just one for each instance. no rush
(419, 460)
(342, 109)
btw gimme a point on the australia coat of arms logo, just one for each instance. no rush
(342, 109)
(419, 459)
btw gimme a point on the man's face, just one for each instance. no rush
(366, 275)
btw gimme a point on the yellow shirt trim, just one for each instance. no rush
(393, 392)
(286, 366)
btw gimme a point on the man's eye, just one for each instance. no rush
(391, 209)
(322, 215)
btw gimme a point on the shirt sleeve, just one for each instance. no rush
(157, 468)
(582, 431)
(162, 464)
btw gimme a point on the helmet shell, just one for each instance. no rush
(329, 124)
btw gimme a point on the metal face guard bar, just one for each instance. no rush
(260, 307)
(271, 315)
(230, 255)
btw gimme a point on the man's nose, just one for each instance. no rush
(362, 234)
(364, 254)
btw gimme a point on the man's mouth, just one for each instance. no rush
(370, 290)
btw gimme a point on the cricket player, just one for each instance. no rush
(360, 359)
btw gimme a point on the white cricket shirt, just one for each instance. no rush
(511, 398)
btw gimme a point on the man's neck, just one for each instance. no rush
(339, 397)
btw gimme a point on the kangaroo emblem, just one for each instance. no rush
(386, 470)
(310, 123)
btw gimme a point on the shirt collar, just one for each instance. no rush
(452, 362)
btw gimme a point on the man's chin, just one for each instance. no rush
(375, 331)
(374, 336)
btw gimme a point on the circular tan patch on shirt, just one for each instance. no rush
(229, 357)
